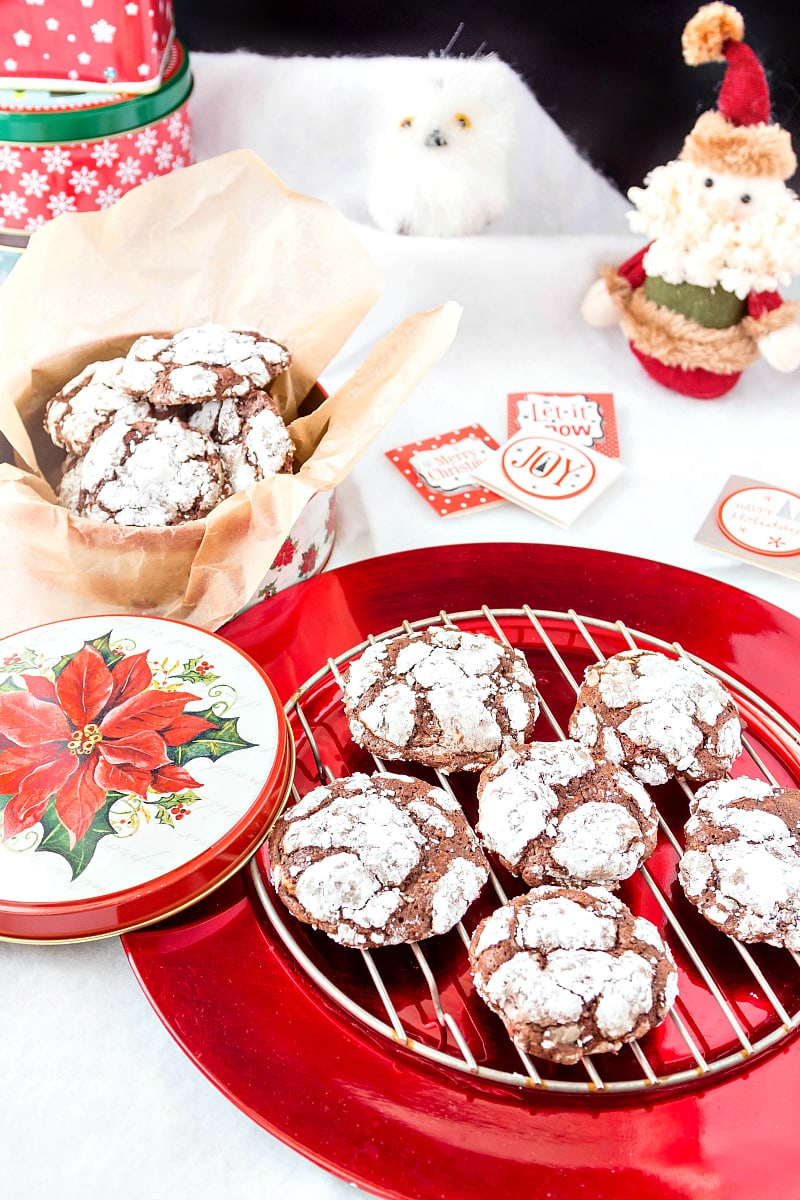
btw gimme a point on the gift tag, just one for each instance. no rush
(552, 477)
(441, 469)
(757, 523)
(586, 418)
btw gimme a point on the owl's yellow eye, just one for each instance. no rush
(463, 120)
(406, 122)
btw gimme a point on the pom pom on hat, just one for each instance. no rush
(738, 137)
(707, 32)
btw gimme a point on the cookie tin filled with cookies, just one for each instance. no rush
(80, 151)
(142, 761)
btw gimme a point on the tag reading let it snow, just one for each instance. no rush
(552, 477)
(586, 418)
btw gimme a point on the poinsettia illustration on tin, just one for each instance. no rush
(99, 741)
(139, 758)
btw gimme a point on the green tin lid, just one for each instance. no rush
(61, 126)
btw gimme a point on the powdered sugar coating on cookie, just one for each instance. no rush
(552, 813)
(658, 717)
(741, 866)
(444, 697)
(250, 434)
(204, 362)
(377, 860)
(153, 473)
(572, 972)
(89, 403)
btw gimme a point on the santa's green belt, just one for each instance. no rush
(713, 308)
(683, 326)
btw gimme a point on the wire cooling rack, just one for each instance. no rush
(735, 1002)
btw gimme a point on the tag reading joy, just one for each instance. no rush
(550, 476)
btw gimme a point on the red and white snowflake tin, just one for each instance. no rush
(81, 153)
(61, 44)
(142, 761)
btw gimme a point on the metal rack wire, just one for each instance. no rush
(706, 1035)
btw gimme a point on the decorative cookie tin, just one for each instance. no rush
(142, 761)
(306, 549)
(92, 43)
(80, 153)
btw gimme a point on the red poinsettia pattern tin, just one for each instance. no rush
(121, 44)
(141, 762)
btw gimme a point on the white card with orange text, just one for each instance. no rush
(756, 522)
(551, 476)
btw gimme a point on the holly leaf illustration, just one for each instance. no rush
(23, 662)
(8, 685)
(164, 814)
(191, 674)
(214, 743)
(103, 644)
(55, 838)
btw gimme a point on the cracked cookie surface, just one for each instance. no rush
(443, 697)
(202, 362)
(572, 972)
(552, 813)
(151, 473)
(741, 865)
(657, 716)
(376, 860)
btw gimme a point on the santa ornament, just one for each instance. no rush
(699, 303)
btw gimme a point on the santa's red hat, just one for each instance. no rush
(738, 137)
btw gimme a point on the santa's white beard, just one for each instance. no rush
(692, 243)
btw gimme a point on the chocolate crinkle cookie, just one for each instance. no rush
(741, 866)
(249, 433)
(572, 972)
(552, 813)
(377, 860)
(151, 473)
(657, 716)
(89, 403)
(207, 384)
(205, 362)
(443, 697)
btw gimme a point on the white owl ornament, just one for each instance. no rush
(439, 166)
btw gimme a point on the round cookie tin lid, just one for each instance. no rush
(55, 118)
(142, 761)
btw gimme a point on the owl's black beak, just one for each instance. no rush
(436, 138)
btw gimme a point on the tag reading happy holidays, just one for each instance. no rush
(757, 523)
(550, 476)
(585, 418)
(442, 469)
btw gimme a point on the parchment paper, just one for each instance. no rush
(221, 241)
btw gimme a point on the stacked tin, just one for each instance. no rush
(93, 101)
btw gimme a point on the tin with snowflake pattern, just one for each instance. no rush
(69, 45)
(81, 152)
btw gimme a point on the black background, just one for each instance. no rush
(612, 75)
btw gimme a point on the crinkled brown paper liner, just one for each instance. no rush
(221, 241)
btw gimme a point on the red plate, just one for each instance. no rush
(148, 759)
(372, 1111)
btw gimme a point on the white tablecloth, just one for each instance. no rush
(96, 1100)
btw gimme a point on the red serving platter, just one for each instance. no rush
(369, 1110)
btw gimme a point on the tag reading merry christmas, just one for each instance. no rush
(441, 469)
(552, 477)
(757, 523)
(587, 419)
